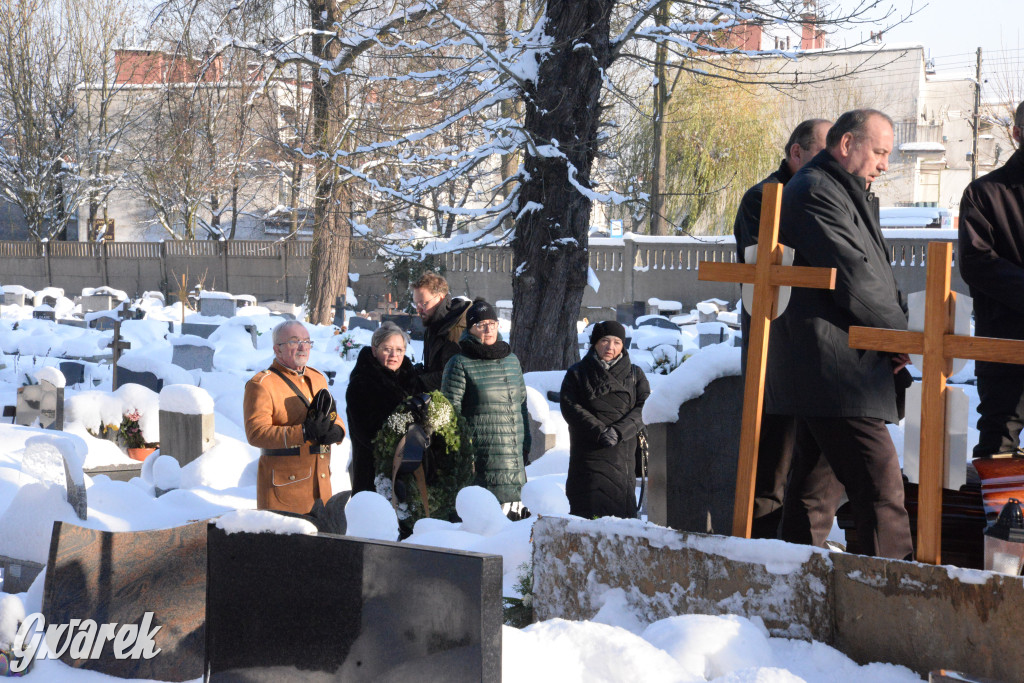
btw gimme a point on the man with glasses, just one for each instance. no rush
(294, 473)
(444, 320)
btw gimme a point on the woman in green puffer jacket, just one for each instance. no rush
(485, 384)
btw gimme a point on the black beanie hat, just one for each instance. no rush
(480, 310)
(608, 328)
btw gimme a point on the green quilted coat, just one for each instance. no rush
(485, 384)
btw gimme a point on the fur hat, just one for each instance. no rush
(480, 310)
(608, 328)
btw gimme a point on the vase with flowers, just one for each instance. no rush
(129, 433)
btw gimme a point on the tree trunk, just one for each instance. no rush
(332, 232)
(659, 226)
(550, 247)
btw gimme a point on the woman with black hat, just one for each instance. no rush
(602, 399)
(485, 384)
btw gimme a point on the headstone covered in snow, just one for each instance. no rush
(186, 422)
(42, 404)
(203, 330)
(145, 378)
(146, 578)
(192, 353)
(73, 371)
(382, 611)
(97, 302)
(629, 312)
(657, 321)
(17, 297)
(217, 303)
(57, 461)
(44, 312)
(356, 322)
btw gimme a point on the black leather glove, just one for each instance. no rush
(334, 434)
(315, 426)
(609, 437)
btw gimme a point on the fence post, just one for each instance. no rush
(224, 260)
(103, 255)
(46, 258)
(284, 266)
(628, 258)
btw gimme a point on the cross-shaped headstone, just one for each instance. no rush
(117, 345)
(938, 346)
(767, 275)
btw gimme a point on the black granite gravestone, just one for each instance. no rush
(145, 378)
(73, 371)
(297, 608)
(663, 323)
(693, 473)
(357, 323)
(117, 577)
(44, 314)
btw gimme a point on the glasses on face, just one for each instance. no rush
(391, 351)
(292, 343)
(486, 326)
(425, 304)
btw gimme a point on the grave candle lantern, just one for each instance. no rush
(1004, 540)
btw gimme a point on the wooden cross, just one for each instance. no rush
(117, 345)
(183, 295)
(939, 346)
(766, 275)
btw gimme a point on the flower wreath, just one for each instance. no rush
(449, 447)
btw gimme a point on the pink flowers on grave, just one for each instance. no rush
(129, 432)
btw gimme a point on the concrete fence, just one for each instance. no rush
(634, 269)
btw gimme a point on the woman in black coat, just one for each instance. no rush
(602, 400)
(382, 378)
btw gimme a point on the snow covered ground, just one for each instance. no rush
(619, 648)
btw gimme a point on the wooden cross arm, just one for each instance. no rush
(779, 276)
(988, 349)
(892, 341)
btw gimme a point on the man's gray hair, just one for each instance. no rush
(803, 135)
(281, 327)
(387, 330)
(1018, 117)
(854, 122)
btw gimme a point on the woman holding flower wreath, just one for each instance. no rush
(485, 384)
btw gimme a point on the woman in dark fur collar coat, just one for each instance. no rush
(602, 400)
(485, 384)
(382, 378)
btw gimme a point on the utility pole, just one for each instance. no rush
(977, 117)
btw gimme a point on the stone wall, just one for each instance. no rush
(633, 269)
(873, 610)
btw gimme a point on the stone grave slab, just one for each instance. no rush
(104, 323)
(540, 443)
(711, 333)
(356, 322)
(203, 330)
(97, 302)
(73, 371)
(282, 308)
(45, 461)
(382, 611)
(44, 314)
(185, 437)
(192, 356)
(120, 472)
(693, 461)
(73, 322)
(120, 577)
(43, 402)
(145, 378)
(254, 334)
(14, 298)
(663, 323)
(224, 307)
(18, 575)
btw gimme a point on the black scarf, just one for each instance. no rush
(474, 348)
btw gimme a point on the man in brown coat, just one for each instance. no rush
(295, 461)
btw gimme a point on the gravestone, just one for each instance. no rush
(119, 577)
(191, 355)
(693, 461)
(210, 305)
(43, 402)
(18, 575)
(355, 322)
(104, 322)
(254, 334)
(72, 322)
(97, 302)
(119, 472)
(186, 422)
(203, 330)
(73, 371)
(663, 323)
(14, 298)
(45, 461)
(48, 300)
(44, 313)
(282, 308)
(145, 378)
(339, 312)
(540, 443)
(383, 611)
(707, 312)
(711, 333)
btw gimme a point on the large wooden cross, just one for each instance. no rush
(766, 275)
(939, 346)
(116, 346)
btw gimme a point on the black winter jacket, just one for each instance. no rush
(373, 394)
(991, 255)
(602, 480)
(486, 386)
(441, 341)
(831, 220)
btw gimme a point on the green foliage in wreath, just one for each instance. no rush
(452, 454)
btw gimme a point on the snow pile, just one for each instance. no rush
(186, 400)
(52, 375)
(480, 511)
(264, 522)
(94, 409)
(707, 647)
(54, 449)
(12, 613)
(192, 340)
(545, 496)
(26, 524)
(689, 380)
(370, 515)
(166, 472)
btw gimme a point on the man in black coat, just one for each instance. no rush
(842, 397)
(991, 257)
(775, 452)
(444, 320)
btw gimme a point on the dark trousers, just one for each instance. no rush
(855, 455)
(774, 457)
(1001, 414)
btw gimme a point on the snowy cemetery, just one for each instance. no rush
(127, 488)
